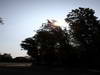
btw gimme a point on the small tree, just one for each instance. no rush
(1, 20)
(5, 58)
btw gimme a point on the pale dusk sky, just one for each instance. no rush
(22, 17)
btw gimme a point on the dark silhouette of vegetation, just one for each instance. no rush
(85, 33)
(78, 45)
(22, 59)
(6, 58)
(1, 21)
(49, 45)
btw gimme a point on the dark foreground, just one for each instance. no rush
(45, 70)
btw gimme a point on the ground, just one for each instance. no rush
(25, 69)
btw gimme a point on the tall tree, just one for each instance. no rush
(49, 43)
(84, 30)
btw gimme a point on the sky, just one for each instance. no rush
(23, 17)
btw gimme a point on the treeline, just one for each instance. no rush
(80, 44)
(8, 58)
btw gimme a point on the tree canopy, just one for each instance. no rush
(50, 43)
(84, 30)
(84, 26)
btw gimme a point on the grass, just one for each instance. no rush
(15, 64)
(26, 69)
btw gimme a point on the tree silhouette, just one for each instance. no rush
(49, 44)
(22, 59)
(5, 58)
(53, 44)
(84, 31)
(1, 20)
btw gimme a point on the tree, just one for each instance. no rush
(5, 58)
(50, 43)
(84, 31)
(1, 20)
(22, 59)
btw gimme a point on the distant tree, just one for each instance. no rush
(5, 58)
(22, 59)
(84, 31)
(1, 20)
(50, 43)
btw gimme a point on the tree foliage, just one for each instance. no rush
(5, 58)
(49, 43)
(82, 40)
(84, 30)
